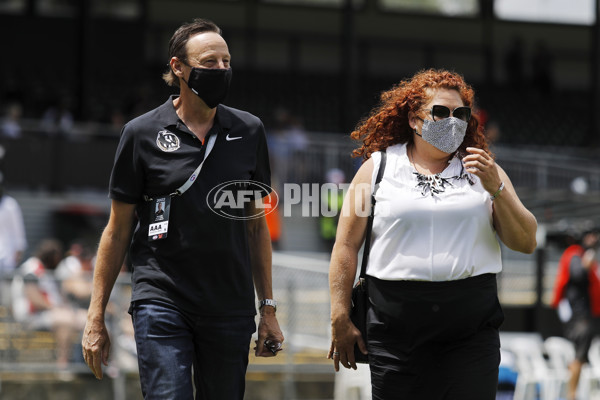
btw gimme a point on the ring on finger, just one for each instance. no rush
(336, 353)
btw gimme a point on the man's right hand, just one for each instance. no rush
(96, 346)
(111, 253)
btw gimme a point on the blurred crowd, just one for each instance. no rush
(46, 110)
(57, 109)
(51, 289)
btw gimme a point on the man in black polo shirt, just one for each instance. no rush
(194, 270)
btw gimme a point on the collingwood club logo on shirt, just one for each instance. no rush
(167, 141)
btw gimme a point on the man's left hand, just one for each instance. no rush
(270, 338)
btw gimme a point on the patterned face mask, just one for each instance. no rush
(446, 134)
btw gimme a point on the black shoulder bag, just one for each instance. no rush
(360, 297)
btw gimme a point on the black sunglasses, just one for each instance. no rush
(439, 112)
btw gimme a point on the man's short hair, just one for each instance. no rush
(178, 42)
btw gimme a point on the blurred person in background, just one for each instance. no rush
(74, 273)
(288, 143)
(38, 303)
(79, 258)
(11, 125)
(273, 217)
(13, 241)
(57, 119)
(434, 314)
(193, 302)
(331, 201)
(577, 300)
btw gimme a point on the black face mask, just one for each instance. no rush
(211, 85)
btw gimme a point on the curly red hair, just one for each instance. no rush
(387, 124)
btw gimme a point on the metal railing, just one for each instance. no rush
(300, 283)
(27, 350)
(60, 163)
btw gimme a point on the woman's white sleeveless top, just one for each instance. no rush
(419, 234)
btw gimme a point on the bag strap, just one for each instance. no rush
(209, 146)
(367, 247)
(186, 185)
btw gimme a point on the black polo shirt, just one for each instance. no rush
(203, 264)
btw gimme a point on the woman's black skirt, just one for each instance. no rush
(434, 340)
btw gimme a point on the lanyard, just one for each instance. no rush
(178, 192)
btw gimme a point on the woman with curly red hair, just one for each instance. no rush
(442, 202)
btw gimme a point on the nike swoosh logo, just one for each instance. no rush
(229, 139)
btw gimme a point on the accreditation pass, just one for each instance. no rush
(159, 218)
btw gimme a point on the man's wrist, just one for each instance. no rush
(96, 313)
(267, 304)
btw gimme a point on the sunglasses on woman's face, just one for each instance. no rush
(439, 112)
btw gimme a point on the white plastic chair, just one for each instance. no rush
(594, 356)
(353, 385)
(594, 367)
(561, 352)
(534, 372)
